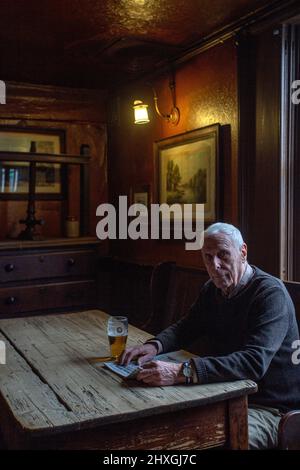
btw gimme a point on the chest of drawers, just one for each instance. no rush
(37, 277)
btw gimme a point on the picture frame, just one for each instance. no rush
(187, 170)
(141, 194)
(14, 176)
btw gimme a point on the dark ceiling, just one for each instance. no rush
(101, 43)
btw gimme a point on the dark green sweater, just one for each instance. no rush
(250, 336)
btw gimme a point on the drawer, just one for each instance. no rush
(14, 300)
(47, 265)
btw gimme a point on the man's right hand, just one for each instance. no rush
(142, 354)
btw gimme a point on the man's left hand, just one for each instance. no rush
(157, 373)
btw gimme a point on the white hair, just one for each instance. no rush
(230, 230)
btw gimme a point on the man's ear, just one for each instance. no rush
(244, 251)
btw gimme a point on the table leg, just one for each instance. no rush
(238, 423)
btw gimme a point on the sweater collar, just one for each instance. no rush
(248, 273)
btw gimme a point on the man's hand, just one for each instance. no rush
(161, 373)
(142, 353)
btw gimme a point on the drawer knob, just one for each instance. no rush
(9, 267)
(10, 300)
(71, 261)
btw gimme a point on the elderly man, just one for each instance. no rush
(249, 320)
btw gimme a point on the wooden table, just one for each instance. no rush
(54, 394)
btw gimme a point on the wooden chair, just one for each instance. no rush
(159, 286)
(173, 291)
(184, 288)
(289, 431)
(289, 426)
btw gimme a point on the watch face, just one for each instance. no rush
(187, 369)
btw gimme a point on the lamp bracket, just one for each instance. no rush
(174, 115)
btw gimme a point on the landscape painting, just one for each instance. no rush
(187, 167)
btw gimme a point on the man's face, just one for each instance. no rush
(224, 261)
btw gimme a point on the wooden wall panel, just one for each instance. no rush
(260, 147)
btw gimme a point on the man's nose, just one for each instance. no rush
(216, 263)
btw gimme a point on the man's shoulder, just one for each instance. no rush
(265, 279)
(259, 282)
(264, 284)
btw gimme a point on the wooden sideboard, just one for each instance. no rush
(53, 274)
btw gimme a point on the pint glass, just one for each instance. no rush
(117, 332)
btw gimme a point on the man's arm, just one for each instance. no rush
(268, 327)
(175, 337)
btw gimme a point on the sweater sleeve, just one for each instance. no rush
(267, 328)
(181, 334)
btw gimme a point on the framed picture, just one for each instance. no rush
(188, 169)
(14, 176)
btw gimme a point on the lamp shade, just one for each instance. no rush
(140, 112)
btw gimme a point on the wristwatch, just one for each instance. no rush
(187, 370)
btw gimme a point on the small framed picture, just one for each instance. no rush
(14, 176)
(141, 194)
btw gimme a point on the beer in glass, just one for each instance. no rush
(117, 332)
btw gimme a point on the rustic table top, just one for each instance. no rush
(53, 381)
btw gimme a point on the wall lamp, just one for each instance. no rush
(141, 111)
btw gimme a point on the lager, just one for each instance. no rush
(117, 345)
(117, 332)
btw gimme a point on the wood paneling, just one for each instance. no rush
(264, 240)
(260, 147)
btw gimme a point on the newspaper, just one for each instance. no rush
(132, 369)
(127, 372)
